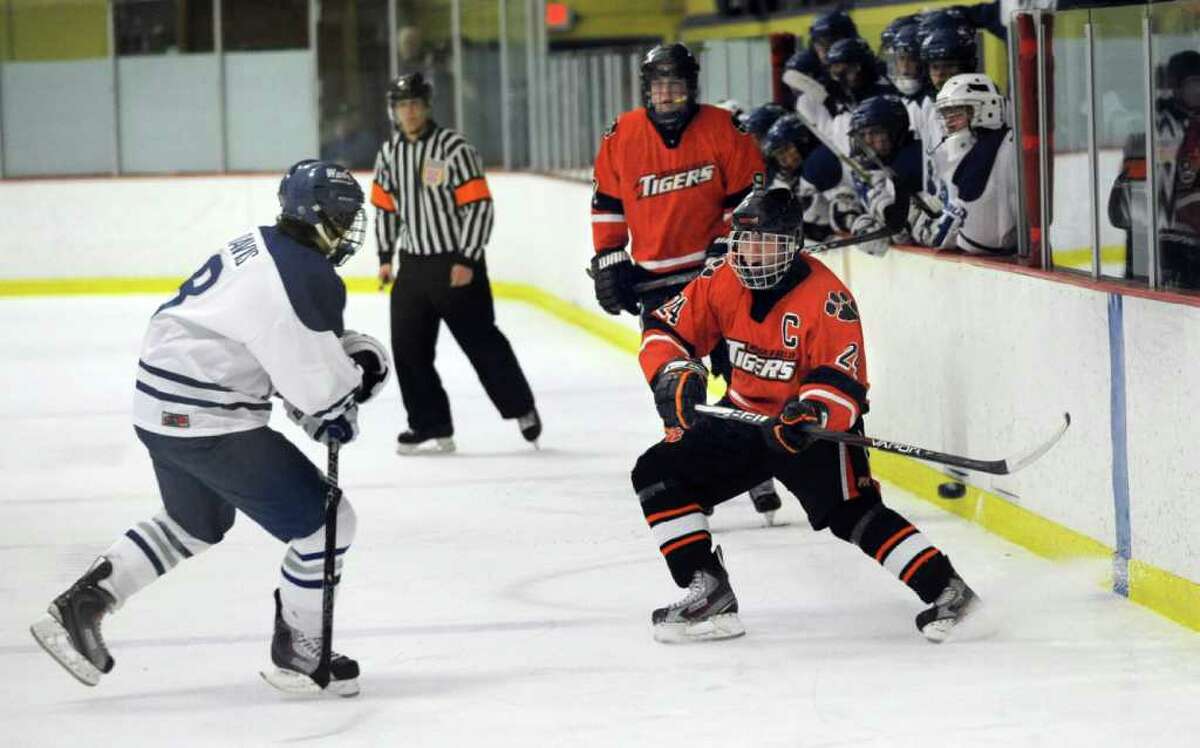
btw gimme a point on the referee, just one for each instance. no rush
(434, 207)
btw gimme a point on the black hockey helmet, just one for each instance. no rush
(760, 119)
(768, 231)
(409, 86)
(1181, 66)
(670, 61)
(887, 112)
(789, 130)
(320, 202)
(831, 27)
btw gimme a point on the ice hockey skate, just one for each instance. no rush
(531, 427)
(433, 441)
(708, 611)
(955, 603)
(70, 633)
(766, 501)
(297, 656)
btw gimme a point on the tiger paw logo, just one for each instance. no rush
(839, 305)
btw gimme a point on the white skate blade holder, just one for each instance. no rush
(723, 626)
(299, 684)
(53, 638)
(440, 445)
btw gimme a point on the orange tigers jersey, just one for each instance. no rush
(809, 343)
(672, 201)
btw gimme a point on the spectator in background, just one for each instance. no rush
(882, 138)
(806, 72)
(1177, 124)
(759, 120)
(786, 149)
(976, 164)
(946, 51)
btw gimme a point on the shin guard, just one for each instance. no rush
(895, 543)
(680, 528)
(303, 569)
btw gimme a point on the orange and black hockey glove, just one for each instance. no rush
(679, 387)
(786, 431)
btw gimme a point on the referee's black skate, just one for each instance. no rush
(531, 426)
(296, 657)
(70, 632)
(955, 603)
(708, 611)
(426, 441)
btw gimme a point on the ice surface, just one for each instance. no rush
(502, 596)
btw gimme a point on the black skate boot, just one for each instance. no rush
(297, 656)
(71, 632)
(426, 441)
(766, 501)
(708, 611)
(531, 426)
(952, 606)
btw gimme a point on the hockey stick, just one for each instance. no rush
(333, 498)
(690, 275)
(994, 467)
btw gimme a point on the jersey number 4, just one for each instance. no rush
(669, 312)
(201, 280)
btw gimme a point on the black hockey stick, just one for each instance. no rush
(333, 498)
(994, 467)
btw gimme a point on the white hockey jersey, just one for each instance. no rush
(262, 316)
(981, 185)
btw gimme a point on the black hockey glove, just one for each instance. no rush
(679, 387)
(786, 431)
(612, 271)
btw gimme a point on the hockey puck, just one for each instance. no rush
(952, 490)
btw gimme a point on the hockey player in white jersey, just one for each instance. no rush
(261, 318)
(976, 165)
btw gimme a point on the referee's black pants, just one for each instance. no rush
(421, 299)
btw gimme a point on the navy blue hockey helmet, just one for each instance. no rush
(789, 130)
(887, 38)
(831, 27)
(944, 18)
(951, 44)
(887, 112)
(853, 50)
(327, 198)
(760, 119)
(768, 231)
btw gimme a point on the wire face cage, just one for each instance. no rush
(761, 259)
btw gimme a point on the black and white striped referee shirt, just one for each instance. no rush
(431, 196)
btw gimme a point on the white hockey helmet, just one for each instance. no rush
(977, 91)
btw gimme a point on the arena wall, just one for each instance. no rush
(963, 357)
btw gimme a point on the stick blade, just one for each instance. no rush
(1018, 462)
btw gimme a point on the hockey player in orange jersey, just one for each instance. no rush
(666, 178)
(796, 347)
